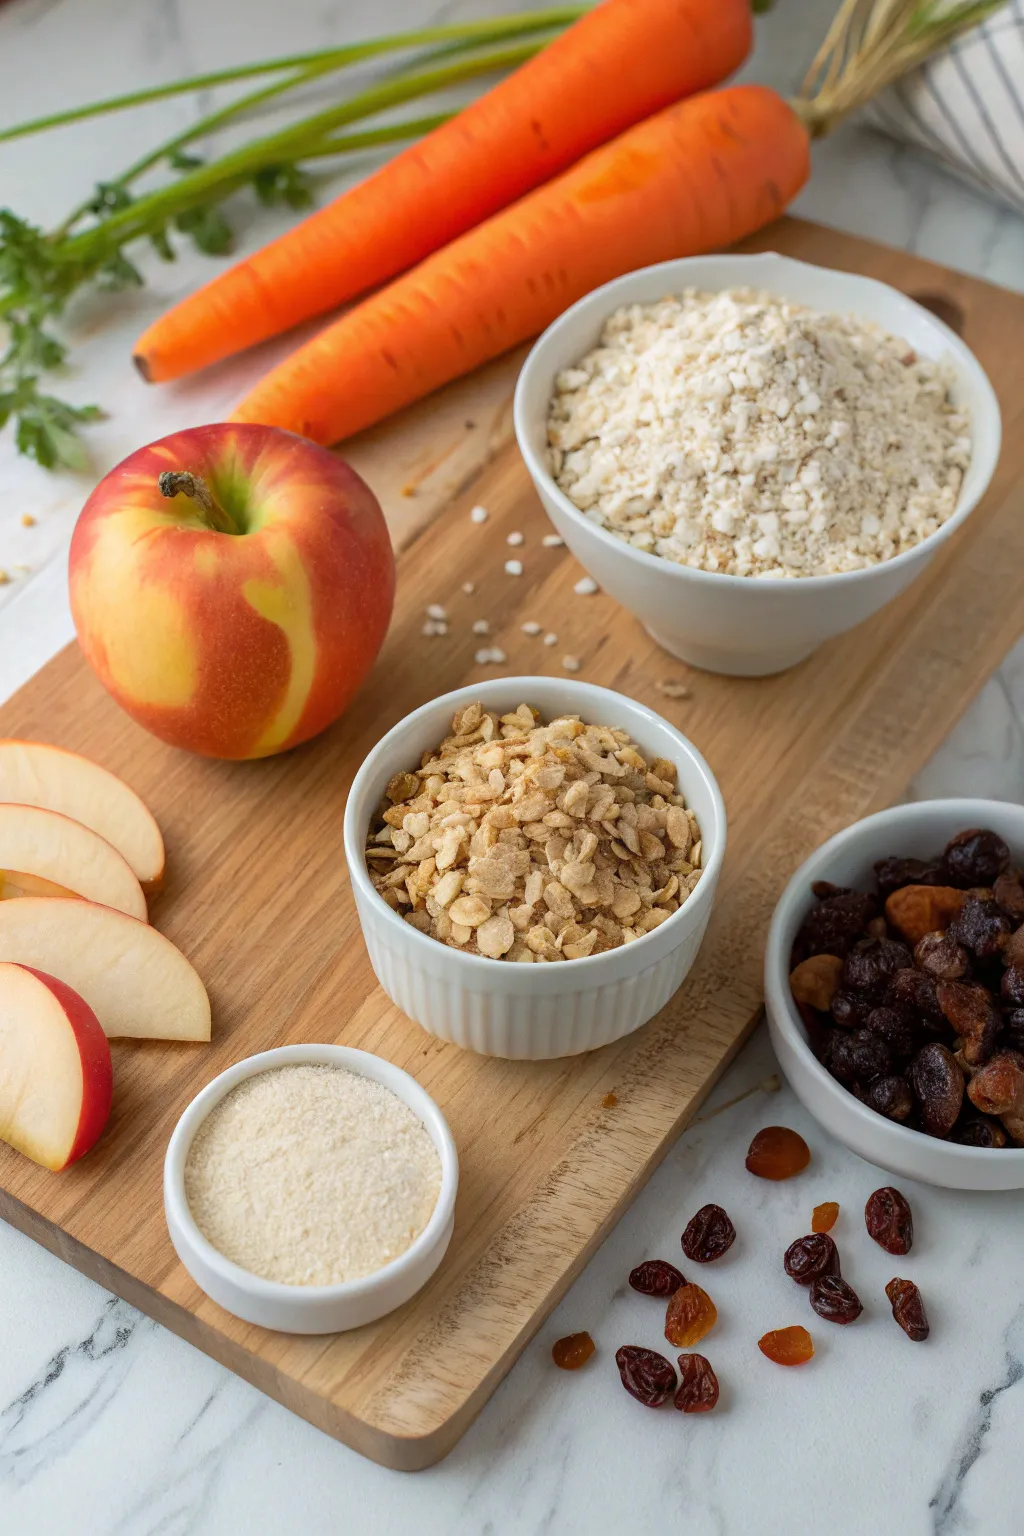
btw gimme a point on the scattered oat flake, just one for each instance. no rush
(469, 587)
(672, 688)
(490, 655)
(530, 628)
(513, 567)
(435, 611)
(434, 627)
(514, 538)
(479, 515)
(585, 586)
(481, 627)
(550, 639)
(27, 520)
(571, 663)
(552, 541)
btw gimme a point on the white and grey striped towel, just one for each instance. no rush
(966, 106)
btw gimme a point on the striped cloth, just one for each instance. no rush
(966, 106)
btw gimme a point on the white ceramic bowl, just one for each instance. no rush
(919, 830)
(736, 624)
(532, 1012)
(310, 1308)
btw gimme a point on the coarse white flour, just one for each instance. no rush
(312, 1175)
(739, 433)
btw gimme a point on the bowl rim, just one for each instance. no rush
(776, 974)
(586, 965)
(257, 1287)
(612, 293)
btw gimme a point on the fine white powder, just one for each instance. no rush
(312, 1175)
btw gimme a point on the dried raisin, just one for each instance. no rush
(655, 1277)
(698, 1385)
(870, 965)
(834, 1300)
(708, 1235)
(645, 1374)
(1011, 988)
(572, 1351)
(973, 1015)
(691, 1314)
(941, 957)
(908, 1308)
(889, 1221)
(975, 858)
(938, 1085)
(787, 1346)
(979, 1131)
(1008, 890)
(915, 990)
(893, 873)
(849, 1010)
(834, 924)
(980, 927)
(777, 1153)
(891, 1097)
(824, 1216)
(896, 1026)
(811, 1256)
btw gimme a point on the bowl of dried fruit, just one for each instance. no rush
(753, 454)
(894, 987)
(534, 862)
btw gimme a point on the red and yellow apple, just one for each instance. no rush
(231, 586)
(56, 1078)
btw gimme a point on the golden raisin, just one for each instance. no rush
(787, 1346)
(609, 1101)
(572, 1351)
(825, 1217)
(691, 1314)
(777, 1153)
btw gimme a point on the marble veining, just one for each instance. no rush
(109, 1424)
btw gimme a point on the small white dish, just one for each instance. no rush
(310, 1308)
(532, 1012)
(736, 624)
(919, 830)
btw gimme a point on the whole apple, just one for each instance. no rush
(231, 586)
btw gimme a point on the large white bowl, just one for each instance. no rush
(532, 1012)
(738, 624)
(310, 1308)
(920, 830)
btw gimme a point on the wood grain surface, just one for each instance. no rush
(257, 897)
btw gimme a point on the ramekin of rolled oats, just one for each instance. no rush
(534, 864)
(753, 454)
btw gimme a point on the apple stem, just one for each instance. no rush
(182, 481)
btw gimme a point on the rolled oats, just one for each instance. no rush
(740, 433)
(534, 842)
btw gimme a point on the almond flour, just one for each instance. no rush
(738, 433)
(312, 1175)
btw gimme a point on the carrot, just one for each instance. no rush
(616, 65)
(695, 177)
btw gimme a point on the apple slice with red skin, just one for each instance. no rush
(32, 773)
(56, 1078)
(64, 851)
(135, 981)
(15, 882)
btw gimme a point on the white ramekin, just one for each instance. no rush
(736, 624)
(919, 830)
(310, 1308)
(532, 1012)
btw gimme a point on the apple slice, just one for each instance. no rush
(54, 847)
(15, 882)
(133, 979)
(34, 774)
(56, 1077)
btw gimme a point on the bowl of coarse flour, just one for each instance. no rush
(753, 454)
(311, 1189)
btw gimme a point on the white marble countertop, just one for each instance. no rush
(112, 1425)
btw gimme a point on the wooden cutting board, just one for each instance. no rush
(258, 898)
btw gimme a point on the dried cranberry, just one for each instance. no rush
(698, 1385)
(915, 990)
(1011, 988)
(891, 1097)
(975, 858)
(655, 1277)
(889, 1221)
(894, 873)
(938, 1085)
(941, 957)
(980, 927)
(708, 1235)
(974, 1017)
(979, 1131)
(849, 1010)
(645, 1374)
(834, 1300)
(1008, 890)
(811, 1256)
(896, 1027)
(908, 1308)
(834, 924)
(870, 964)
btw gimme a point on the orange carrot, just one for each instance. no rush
(616, 65)
(693, 178)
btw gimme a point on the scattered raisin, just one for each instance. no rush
(941, 957)
(834, 1300)
(655, 1277)
(811, 1256)
(889, 1221)
(981, 927)
(787, 1346)
(974, 858)
(777, 1153)
(893, 873)
(698, 1385)
(572, 1351)
(973, 1015)
(870, 964)
(1008, 890)
(824, 1216)
(979, 1131)
(891, 1097)
(708, 1235)
(691, 1314)
(645, 1374)
(908, 1308)
(938, 1085)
